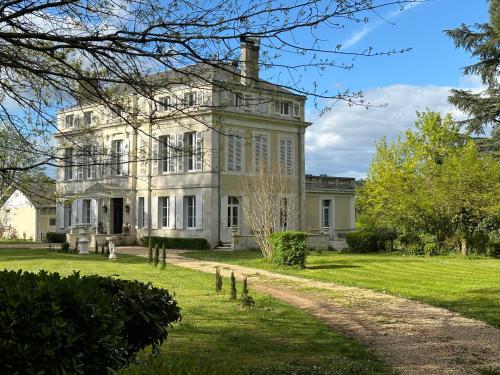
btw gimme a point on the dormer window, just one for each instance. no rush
(69, 121)
(283, 108)
(87, 118)
(190, 99)
(165, 103)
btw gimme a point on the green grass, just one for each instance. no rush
(470, 286)
(14, 240)
(217, 336)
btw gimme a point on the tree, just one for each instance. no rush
(433, 181)
(482, 41)
(56, 54)
(270, 203)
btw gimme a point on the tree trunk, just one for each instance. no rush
(463, 247)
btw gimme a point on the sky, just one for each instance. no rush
(342, 141)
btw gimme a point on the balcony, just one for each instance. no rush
(324, 182)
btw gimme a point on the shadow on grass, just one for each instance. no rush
(18, 255)
(331, 266)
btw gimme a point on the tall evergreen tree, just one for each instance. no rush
(483, 43)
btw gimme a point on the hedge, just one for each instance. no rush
(177, 242)
(75, 324)
(289, 248)
(362, 242)
(54, 237)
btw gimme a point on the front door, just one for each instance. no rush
(117, 204)
(232, 217)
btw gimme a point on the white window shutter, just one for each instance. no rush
(179, 212)
(170, 153)
(238, 153)
(74, 213)
(230, 139)
(93, 213)
(146, 213)
(265, 152)
(136, 213)
(296, 109)
(199, 212)
(257, 150)
(289, 159)
(199, 151)
(277, 107)
(283, 154)
(125, 156)
(154, 212)
(171, 212)
(180, 153)
(154, 156)
(60, 216)
(223, 205)
(141, 157)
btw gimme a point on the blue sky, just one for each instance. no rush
(342, 141)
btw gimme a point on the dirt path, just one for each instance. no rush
(412, 337)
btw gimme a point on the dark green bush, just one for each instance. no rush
(54, 237)
(78, 324)
(177, 243)
(362, 242)
(289, 248)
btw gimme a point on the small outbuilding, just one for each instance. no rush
(29, 213)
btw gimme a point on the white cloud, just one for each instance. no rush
(342, 142)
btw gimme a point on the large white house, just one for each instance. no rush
(181, 162)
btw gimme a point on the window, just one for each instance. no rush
(234, 152)
(286, 152)
(52, 221)
(325, 213)
(117, 157)
(67, 214)
(296, 109)
(284, 213)
(190, 210)
(233, 206)
(87, 118)
(190, 99)
(69, 121)
(166, 159)
(282, 107)
(164, 103)
(68, 164)
(86, 211)
(164, 211)
(261, 152)
(140, 212)
(194, 143)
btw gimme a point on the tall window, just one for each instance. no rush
(140, 212)
(69, 121)
(164, 211)
(190, 211)
(325, 213)
(87, 118)
(286, 151)
(194, 149)
(165, 146)
(86, 211)
(165, 103)
(261, 152)
(117, 157)
(233, 207)
(234, 152)
(67, 214)
(68, 164)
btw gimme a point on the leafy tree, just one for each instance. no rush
(482, 41)
(432, 181)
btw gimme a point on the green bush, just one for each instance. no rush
(362, 242)
(78, 324)
(177, 243)
(54, 237)
(289, 248)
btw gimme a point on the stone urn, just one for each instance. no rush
(83, 239)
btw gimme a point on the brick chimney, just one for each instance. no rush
(249, 60)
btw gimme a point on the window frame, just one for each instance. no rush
(164, 203)
(190, 211)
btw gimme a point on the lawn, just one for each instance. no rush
(218, 336)
(470, 286)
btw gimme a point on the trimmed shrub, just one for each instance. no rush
(289, 248)
(177, 243)
(54, 237)
(78, 324)
(362, 242)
